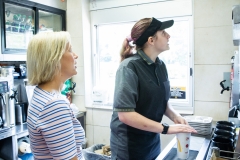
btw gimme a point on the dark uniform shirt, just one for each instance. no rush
(142, 86)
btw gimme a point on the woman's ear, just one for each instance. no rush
(150, 40)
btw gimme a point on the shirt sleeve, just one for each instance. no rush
(56, 126)
(126, 90)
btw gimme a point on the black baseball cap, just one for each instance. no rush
(152, 29)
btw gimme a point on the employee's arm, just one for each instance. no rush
(174, 116)
(138, 121)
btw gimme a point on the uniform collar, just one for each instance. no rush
(147, 59)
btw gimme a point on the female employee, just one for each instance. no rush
(54, 131)
(142, 91)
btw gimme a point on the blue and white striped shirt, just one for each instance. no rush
(54, 131)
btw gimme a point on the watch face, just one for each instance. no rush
(165, 124)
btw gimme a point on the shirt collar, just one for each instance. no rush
(147, 59)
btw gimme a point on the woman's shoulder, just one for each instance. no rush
(44, 100)
(129, 61)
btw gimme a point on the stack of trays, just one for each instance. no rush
(202, 124)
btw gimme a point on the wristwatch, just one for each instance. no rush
(165, 128)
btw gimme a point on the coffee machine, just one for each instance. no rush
(7, 103)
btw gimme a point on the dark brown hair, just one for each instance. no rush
(136, 32)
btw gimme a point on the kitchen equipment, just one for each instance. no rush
(223, 144)
(227, 128)
(18, 114)
(7, 100)
(21, 112)
(7, 70)
(215, 154)
(227, 123)
(202, 124)
(23, 70)
(224, 133)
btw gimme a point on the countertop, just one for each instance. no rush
(197, 143)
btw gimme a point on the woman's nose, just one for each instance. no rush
(75, 55)
(168, 35)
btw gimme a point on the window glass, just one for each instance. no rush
(19, 26)
(177, 60)
(49, 22)
(109, 41)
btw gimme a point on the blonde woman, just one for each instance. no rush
(54, 131)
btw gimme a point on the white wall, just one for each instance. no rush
(53, 3)
(213, 51)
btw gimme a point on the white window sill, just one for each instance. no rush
(100, 106)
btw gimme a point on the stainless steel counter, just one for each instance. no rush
(21, 129)
(18, 130)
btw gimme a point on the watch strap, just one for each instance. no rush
(165, 128)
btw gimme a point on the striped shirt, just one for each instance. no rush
(54, 131)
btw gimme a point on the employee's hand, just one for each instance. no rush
(179, 120)
(180, 128)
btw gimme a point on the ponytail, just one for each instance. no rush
(137, 30)
(126, 50)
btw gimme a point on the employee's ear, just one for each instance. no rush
(150, 40)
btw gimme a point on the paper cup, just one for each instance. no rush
(183, 144)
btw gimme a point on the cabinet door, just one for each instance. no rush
(19, 27)
(49, 22)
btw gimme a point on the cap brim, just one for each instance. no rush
(166, 24)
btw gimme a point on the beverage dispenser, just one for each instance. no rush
(7, 102)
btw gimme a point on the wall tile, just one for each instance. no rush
(213, 45)
(216, 110)
(89, 135)
(89, 116)
(101, 135)
(207, 82)
(79, 101)
(74, 24)
(102, 117)
(79, 79)
(74, 5)
(213, 12)
(77, 47)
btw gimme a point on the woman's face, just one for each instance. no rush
(68, 63)
(161, 41)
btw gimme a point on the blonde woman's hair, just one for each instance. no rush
(44, 53)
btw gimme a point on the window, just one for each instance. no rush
(178, 59)
(109, 41)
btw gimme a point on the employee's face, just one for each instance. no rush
(68, 63)
(161, 41)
